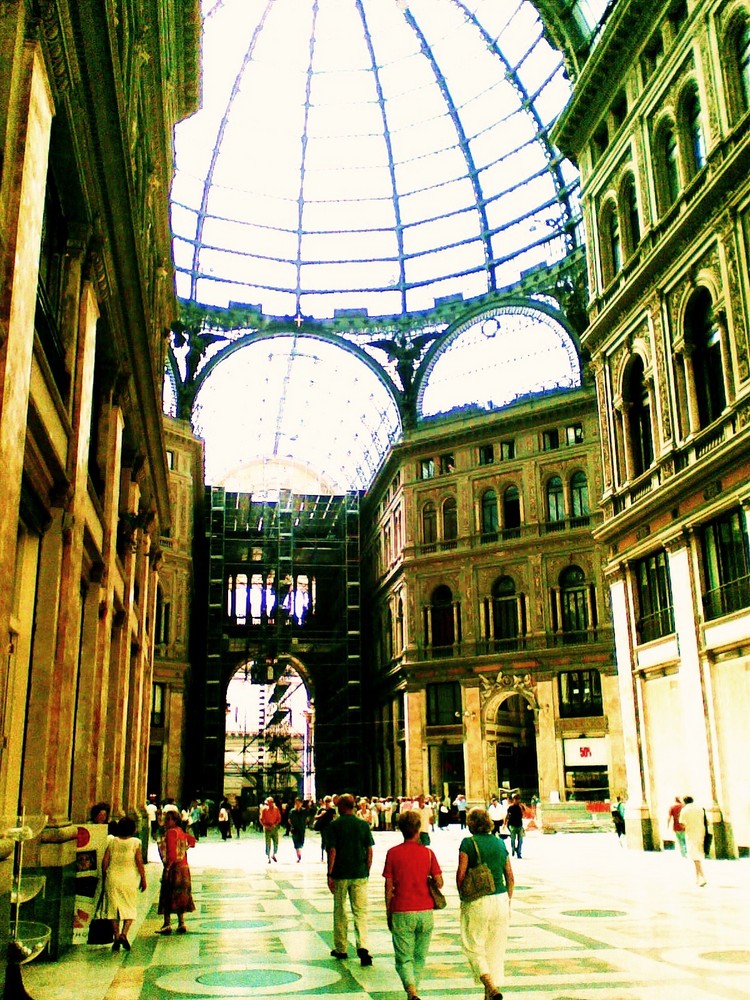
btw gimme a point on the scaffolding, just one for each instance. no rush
(284, 593)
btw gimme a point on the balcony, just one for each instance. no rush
(729, 597)
(509, 646)
(656, 625)
(506, 536)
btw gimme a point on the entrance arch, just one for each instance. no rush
(510, 713)
(269, 742)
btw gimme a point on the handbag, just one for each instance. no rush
(100, 929)
(478, 881)
(438, 899)
(707, 837)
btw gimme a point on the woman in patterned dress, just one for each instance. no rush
(176, 894)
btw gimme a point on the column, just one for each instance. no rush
(692, 395)
(416, 756)
(476, 784)
(640, 833)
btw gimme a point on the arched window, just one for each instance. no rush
(668, 167)
(703, 334)
(488, 516)
(505, 622)
(637, 397)
(555, 504)
(579, 500)
(629, 215)
(692, 124)
(738, 67)
(611, 245)
(574, 605)
(441, 630)
(511, 513)
(450, 523)
(429, 526)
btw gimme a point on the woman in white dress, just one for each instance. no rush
(124, 874)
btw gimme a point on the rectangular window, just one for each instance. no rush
(725, 565)
(158, 692)
(580, 694)
(574, 434)
(427, 468)
(170, 458)
(486, 454)
(444, 704)
(654, 597)
(447, 464)
(507, 450)
(551, 440)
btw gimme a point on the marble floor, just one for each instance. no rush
(591, 920)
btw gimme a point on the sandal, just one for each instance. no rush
(164, 930)
(182, 929)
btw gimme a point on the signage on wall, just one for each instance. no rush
(586, 753)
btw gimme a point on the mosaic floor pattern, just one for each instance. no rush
(590, 921)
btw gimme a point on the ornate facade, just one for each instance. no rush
(87, 105)
(491, 650)
(659, 127)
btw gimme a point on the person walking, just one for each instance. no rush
(298, 826)
(485, 920)
(323, 819)
(693, 818)
(124, 875)
(514, 822)
(349, 842)
(618, 818)
(224, 820)
(176, 893)
(673, 820)
(459, 804)
(496, 813)
(408, 903)
(270, 820)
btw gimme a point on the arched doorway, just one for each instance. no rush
(515, 747)
(269, 735)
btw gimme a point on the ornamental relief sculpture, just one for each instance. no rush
(494, 691)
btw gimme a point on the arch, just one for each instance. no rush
(610, 241)
(703, 339)
(488, 519)
(630, 219)
(690, 118)
(450, 519)
(476, 343)
(511, 512)
(555, 502)
(579, 499)
(636, 394)
(737, 64)
(506, 620)
(666, 164)
(575, 618)
(443, 629)
(429, 524)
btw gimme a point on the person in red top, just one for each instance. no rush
(408, 902)
(270, 820)
(175, 895)
(673, 820)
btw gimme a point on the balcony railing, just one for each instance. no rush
(521, 643)
(729, 597)
(656, 625)
(504, 536)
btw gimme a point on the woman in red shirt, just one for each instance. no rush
(408, 902)
(175, 895)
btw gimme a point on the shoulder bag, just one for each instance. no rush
(438, 899)
(478, 881)
(100, 929)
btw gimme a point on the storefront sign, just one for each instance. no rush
(586, 753)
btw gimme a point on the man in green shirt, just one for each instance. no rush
(349, 842)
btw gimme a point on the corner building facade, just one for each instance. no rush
(491, 646)
(659, 127)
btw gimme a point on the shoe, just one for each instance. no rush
(275, 858)
(164, 930)
(365, 958)
(116, 944)
(124, 942)
(338, 954)
(702, 882)
(182, 929)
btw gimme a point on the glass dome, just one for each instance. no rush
(372, 156)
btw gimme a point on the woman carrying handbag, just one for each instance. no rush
(409, 900)
(485, 881)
